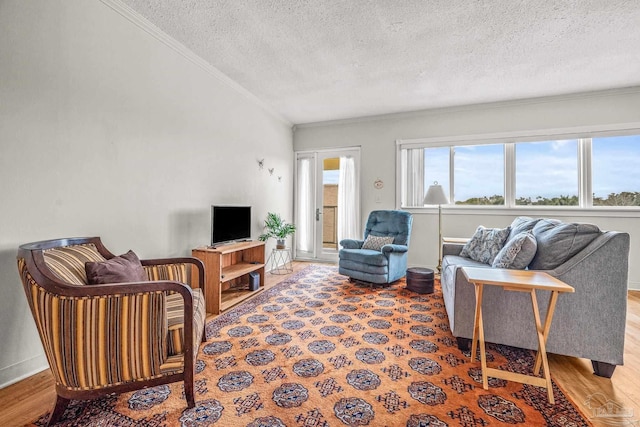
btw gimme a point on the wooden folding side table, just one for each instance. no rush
(518, 281)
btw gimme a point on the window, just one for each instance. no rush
(436, 168)
(479, 175)
(585, 172)
(547, 173)
(615, 172)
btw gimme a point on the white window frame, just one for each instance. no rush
(584, 135)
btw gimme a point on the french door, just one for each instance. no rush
(327, 203)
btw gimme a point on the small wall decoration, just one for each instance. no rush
(271, 170)
(378, 184)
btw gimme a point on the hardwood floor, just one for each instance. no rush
(589, 391)
(20, 403)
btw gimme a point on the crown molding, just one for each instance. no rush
(575, 132)
(470, 107)
(147, 26)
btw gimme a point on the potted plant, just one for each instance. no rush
(275, 227)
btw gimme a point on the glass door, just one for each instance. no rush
(327, 202)
(327, 207)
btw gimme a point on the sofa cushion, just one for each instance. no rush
(119, 269)
(485, 244)
(459, 261)
(517, 253)
(450, 264)
(376, 242)
(522, 224)
(558, 241)
(347, 267)
(364, 256)
(175, 321)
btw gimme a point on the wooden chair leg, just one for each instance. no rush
(58, 409)
(189, 393)
(189, 379)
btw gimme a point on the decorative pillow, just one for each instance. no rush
(522, 224)
(376, 242)
(485, 244)
(119, 269)
(517, 253)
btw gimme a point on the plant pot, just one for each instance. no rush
(280, 244)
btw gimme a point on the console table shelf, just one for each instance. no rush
(226, 271)
(234, 271)
(232, 296)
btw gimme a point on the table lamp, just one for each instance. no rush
(435, 196)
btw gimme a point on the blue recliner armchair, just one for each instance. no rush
(378, 266)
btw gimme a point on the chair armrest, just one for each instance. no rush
(394, 248)
(599, 275)
(351, 243)
(165, 264)
(452, 248)
(453, 245)
(461, 240)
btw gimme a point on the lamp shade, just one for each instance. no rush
(435, 195)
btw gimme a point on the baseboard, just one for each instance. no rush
(633, 286)
(21, 370)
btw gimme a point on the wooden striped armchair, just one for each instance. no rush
(112, 338)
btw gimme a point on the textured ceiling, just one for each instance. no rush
(321, 60)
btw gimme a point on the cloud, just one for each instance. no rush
(479, 171)
(543, 168)
(615, 165)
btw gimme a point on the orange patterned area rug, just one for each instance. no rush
(318, 351)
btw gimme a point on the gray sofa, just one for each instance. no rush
(589, 323)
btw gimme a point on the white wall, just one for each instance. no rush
(377, 136)
(104, 130)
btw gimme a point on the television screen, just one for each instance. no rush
(229, 223)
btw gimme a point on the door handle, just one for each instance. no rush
(318, 213)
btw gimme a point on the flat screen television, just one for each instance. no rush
(230, 223)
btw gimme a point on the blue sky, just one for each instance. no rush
(616, 165)
(547, 169)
